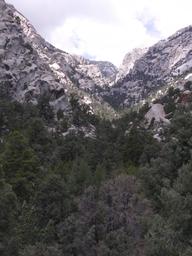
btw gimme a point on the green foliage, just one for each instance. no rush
(52, 201)
(167, 181)
(80, 176)
(41, 250)
(100, 175)
(45, 110)
(107, 222)
(64, 195)
(8, 218)
(18, 20)
(19, 165)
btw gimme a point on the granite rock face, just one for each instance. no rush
(129, 62)
(160, 65)
(31, 67)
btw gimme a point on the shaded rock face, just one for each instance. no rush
(158, 66)
(30, 67)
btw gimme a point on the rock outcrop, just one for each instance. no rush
(156, 113)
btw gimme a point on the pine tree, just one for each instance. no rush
(19, 165)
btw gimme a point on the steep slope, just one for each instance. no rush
(31, 67)
(163, 63)
(129, 62)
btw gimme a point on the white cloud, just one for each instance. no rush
(46, 14)
(104, 41)
(106, 29)
(168, 15)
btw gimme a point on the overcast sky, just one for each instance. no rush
(105, 29)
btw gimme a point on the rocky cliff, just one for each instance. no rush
(31, 67)
(159, 66)
(129, 62)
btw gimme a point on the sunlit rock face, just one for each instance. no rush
(31, 67)
(129, 62)
(156, 113)
(161, 64)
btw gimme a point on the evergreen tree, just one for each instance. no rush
(8, 219)
(19, 165)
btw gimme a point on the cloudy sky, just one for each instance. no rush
(105, 29)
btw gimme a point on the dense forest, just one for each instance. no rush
(116, 192)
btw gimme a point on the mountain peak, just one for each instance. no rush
(129, 61)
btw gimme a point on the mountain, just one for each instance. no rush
(129, 62)
(31, 67)
(159, 66)
(83, 185)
